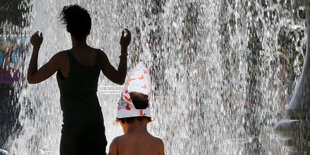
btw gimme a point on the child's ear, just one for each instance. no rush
(116, 122)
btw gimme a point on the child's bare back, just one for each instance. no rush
(137, 143)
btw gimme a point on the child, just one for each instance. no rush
(134, 114)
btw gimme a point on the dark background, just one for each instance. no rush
(11, 14)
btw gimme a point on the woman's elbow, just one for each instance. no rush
(31, 80)
(121, 82)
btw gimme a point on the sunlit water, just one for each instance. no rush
(215, 83)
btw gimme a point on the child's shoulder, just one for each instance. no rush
(158, 145)
(114, 144)
(158, 141)
(118, 139)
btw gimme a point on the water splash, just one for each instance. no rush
(216, 89)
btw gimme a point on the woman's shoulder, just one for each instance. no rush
(61, 56)
(100, 52)
(62, 53)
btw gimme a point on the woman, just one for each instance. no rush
(78, 70)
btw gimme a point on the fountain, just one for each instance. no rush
(212, 64)
(295, 129)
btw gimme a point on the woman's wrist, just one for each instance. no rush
(123, 55)
(37, 47)
(123, 51)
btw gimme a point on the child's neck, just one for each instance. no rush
(137, 126)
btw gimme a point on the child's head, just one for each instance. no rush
(134, 104)
(78, 21)
(140, 101)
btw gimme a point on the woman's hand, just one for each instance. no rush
(125, 39)
(36, 39)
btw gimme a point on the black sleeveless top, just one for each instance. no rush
(78, 91)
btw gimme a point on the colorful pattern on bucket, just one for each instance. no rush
(138, 81)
